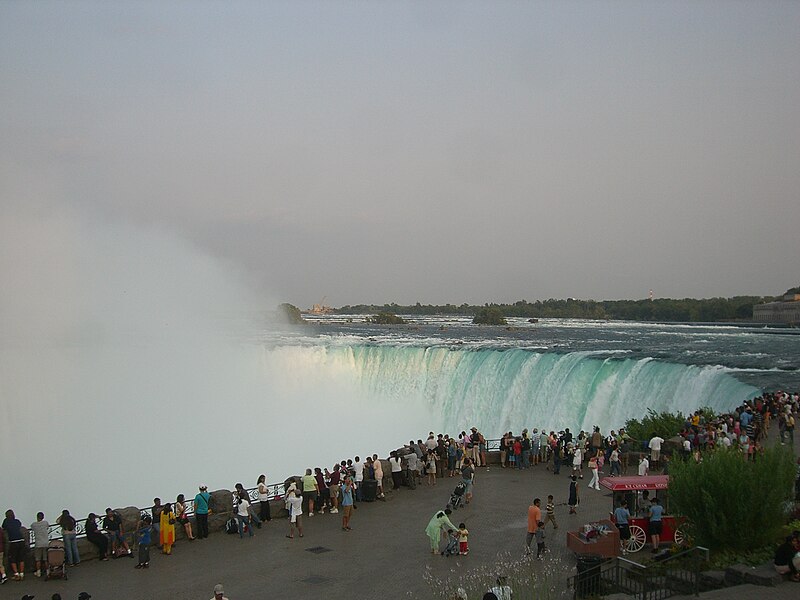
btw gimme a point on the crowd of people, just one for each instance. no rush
(340, 488)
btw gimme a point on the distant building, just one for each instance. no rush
(786, 310)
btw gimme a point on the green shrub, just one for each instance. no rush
(385, 318)
(664, 424)
(732, 503)
(489, 316)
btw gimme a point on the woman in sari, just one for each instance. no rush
(167, 530)
(439, 522)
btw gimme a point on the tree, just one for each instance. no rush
(386, 318)
(489, 316)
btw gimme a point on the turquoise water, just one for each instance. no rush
(555, 373)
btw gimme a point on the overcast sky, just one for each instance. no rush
(412, 151)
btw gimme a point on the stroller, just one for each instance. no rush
(452, 544)
(457, 497)
(56, 565)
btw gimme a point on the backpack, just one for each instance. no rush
(231, 525)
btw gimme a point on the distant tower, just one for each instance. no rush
(651, 295)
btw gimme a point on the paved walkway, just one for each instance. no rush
(385, 556)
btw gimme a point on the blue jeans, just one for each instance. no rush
(71, 548)
(242, 522)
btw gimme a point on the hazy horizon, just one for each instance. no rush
(405, 151)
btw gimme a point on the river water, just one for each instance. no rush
(112, 422)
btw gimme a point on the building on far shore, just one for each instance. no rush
(786, 310)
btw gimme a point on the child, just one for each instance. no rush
(145, 533)
(550, 509)
(452, 543)
(540, 540)
(463, 535)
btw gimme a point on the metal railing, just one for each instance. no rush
(678, 574)
(275, 492)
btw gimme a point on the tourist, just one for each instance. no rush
(145, 535)
(644, 466)
(573, 494)
(577, 458)
(294, 505)
(16, 545)
(167, 529)
(396, 466)
(95, 537)
(412, 466)
(112, 523)
(594, 469)
(219, 592)
(463, 539)
(789, 433)
(430, 467)
(334, 487)
(654, 526)
(614, 461)
(540, 540)
(263, 498)
(525, 443)
(155, 515)
(378, 467)
(323, 499)
(468, 477)
(41, 538)
(243, 516)
(501, 591)
(244, 495)
(69, 534)
(452, 457)
(550, 511)
(201, 509)
(655, 449)
(358, 475)
(440, 522)
(3, 576)
(534, 517)
(182, 515)
(621, 517)
(787, 557)
(503, 450)
(347, 502)
(474, 447)
(310, 492)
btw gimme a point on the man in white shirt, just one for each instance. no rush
(644, 465)
(655, 448)
(219, 592)
(358, 476)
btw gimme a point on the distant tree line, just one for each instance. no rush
(708, 310)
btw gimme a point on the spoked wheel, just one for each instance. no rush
(638, 539)
(680, 537)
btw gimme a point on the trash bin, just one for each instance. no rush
(588, 582)
(369, 490)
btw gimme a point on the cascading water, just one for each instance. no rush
(502, 390)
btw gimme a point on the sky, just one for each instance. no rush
(371, 152)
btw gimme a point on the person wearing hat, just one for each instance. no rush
(219, 592)
(84, 596)
(201, 510)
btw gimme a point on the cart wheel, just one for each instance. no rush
(680, 537)
(638, 539)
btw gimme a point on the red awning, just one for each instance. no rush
(625, 484)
